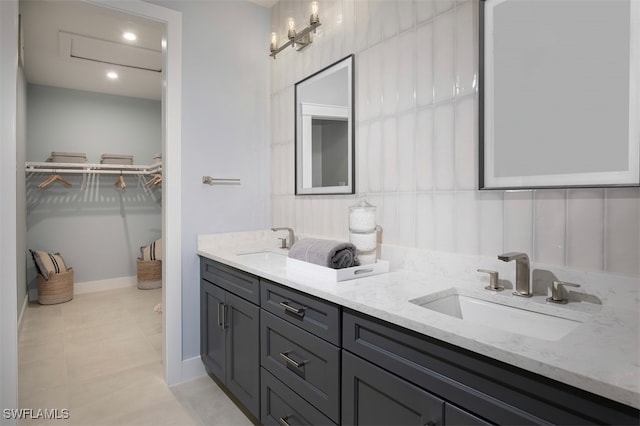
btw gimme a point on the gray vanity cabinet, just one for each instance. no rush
(297, 347)
(230, 333)
(294, 359)
(477, 389)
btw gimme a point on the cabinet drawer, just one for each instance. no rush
(316, 316)
(373, 396)
(308, 365)
(281, 406)
(231, 279)
(454, 416)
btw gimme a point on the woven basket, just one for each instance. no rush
(149, 274)
(57, 289)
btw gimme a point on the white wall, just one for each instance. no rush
(417, 144)
(97, 227)
(225, 131)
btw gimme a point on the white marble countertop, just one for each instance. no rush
(600, 356)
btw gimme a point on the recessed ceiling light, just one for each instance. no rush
(129, 36)
(112, 75)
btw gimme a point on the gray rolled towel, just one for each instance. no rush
(332, 254)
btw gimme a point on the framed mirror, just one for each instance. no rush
(324, 131)
(559, 93)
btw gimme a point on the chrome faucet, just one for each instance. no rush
(286, 244)
(523, 281)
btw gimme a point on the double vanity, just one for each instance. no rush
(425, 344)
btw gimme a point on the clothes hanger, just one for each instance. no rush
(120, 183)
(53, 178)
(63, 181)
(155, 180)
(48, 181)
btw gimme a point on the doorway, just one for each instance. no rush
(171, 133)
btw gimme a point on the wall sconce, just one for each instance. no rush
(298, 40)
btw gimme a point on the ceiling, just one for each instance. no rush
(264, 3)
(73, 44)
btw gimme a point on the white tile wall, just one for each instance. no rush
(550, 214)
(417, 145)
(585, 229)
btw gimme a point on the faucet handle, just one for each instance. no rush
(493, 280)
(283, 243)
(556, 292)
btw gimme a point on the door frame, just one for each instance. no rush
(171, 179)
(8, 207)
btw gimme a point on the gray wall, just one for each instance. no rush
(225, 131)
(73, 120)
(95, 226)
(335, 164)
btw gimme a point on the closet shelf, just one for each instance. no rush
(88, 168)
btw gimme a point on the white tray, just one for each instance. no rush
(300, 269)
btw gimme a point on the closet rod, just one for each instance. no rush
(91, 171)
(86, 168)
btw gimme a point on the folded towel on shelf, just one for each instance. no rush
(116, 159)
(328, 253)
(67, 157)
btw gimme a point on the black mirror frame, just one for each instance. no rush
(352, 122)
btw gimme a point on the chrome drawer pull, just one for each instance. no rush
(283, 421)
(297, 311)
(220, 314)
(291, 361)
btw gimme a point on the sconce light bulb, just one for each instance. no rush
(314, 13)
(292, 29)
(274, 42)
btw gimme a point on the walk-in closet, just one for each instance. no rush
(90, 142)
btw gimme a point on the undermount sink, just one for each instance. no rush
(266, 255)
(486, 313)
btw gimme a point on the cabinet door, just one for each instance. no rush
(373, 396)
(242, 325)
(212, 339)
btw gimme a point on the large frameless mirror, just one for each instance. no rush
(324, 131)
(560, 87)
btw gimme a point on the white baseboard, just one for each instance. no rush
(192, 368)
(24, 307)
(102, 285)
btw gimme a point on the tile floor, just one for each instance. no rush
(99, 356)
